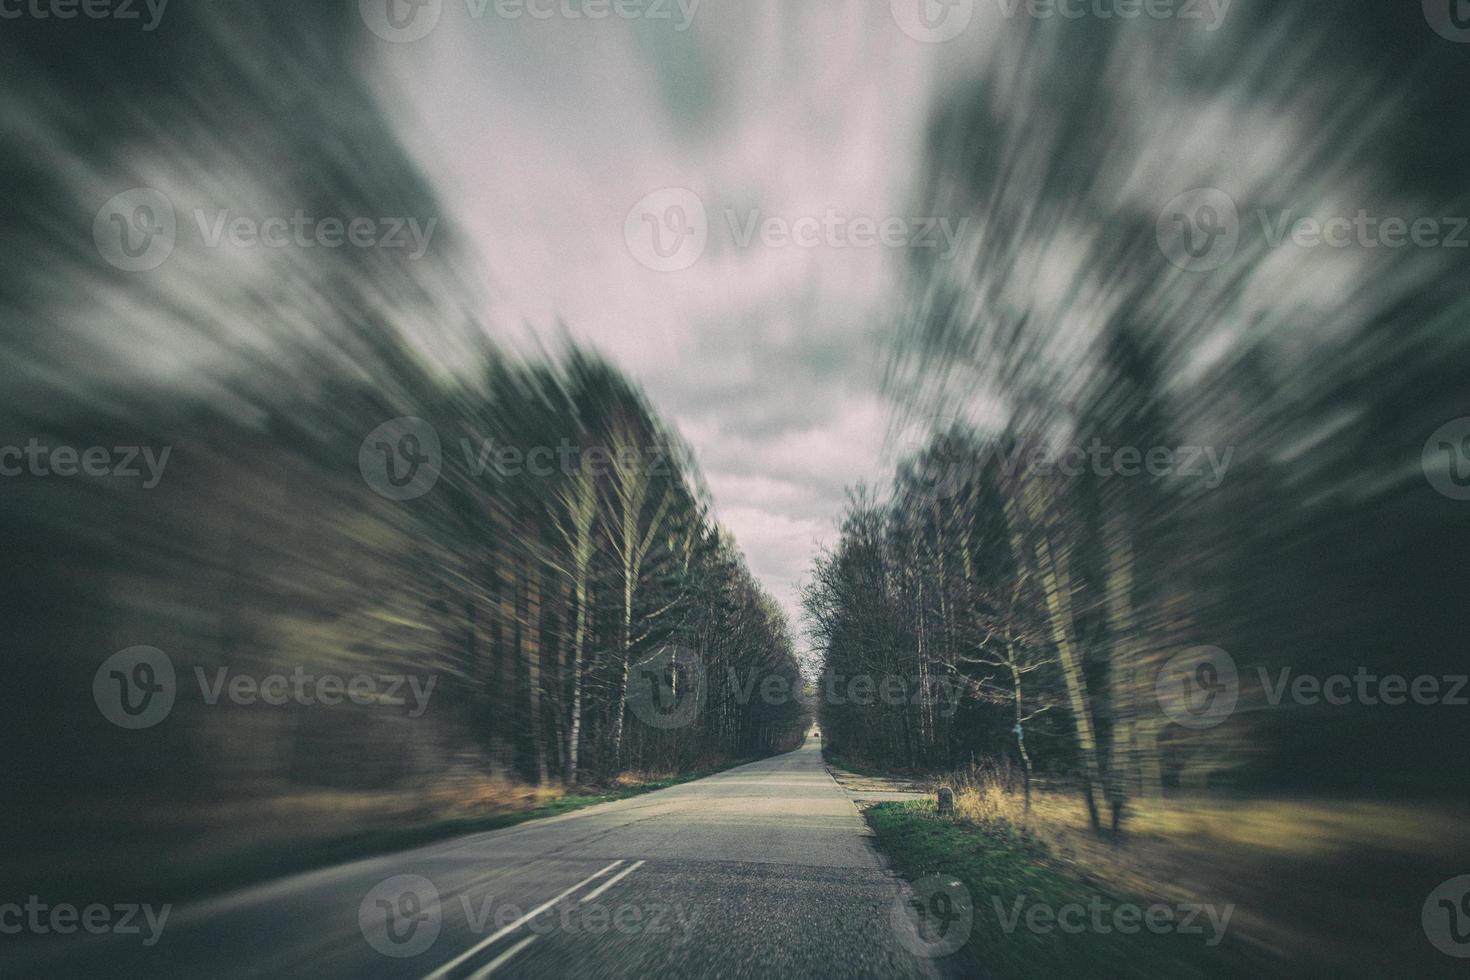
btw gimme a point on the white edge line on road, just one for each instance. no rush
(449, 967)
(612, 881)
(503, 958)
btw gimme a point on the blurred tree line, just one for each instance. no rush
(533, 596)
(1063, 321)
(511, 602)
(530, 591)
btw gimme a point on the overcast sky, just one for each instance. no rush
(543, 135)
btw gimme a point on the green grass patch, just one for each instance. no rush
(1009, 882)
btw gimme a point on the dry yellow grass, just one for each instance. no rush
(1201, 848)
(1289, 827)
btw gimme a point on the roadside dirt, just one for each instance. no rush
(868, 790)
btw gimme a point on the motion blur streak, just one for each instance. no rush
(334, 526)
(270, 550)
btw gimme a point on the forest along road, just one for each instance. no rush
(766, 870)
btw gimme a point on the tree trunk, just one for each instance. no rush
(1056, 581)
(1020, 731)
(533, 668)
(579, 637)
(580, 503)
(631, 541)
(1122, 675)
(625, 629)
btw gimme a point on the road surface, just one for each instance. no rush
(766, 870)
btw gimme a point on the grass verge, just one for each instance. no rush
(1032, 921)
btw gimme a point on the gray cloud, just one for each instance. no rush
(545, 135)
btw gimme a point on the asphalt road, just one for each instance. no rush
(762, 871)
